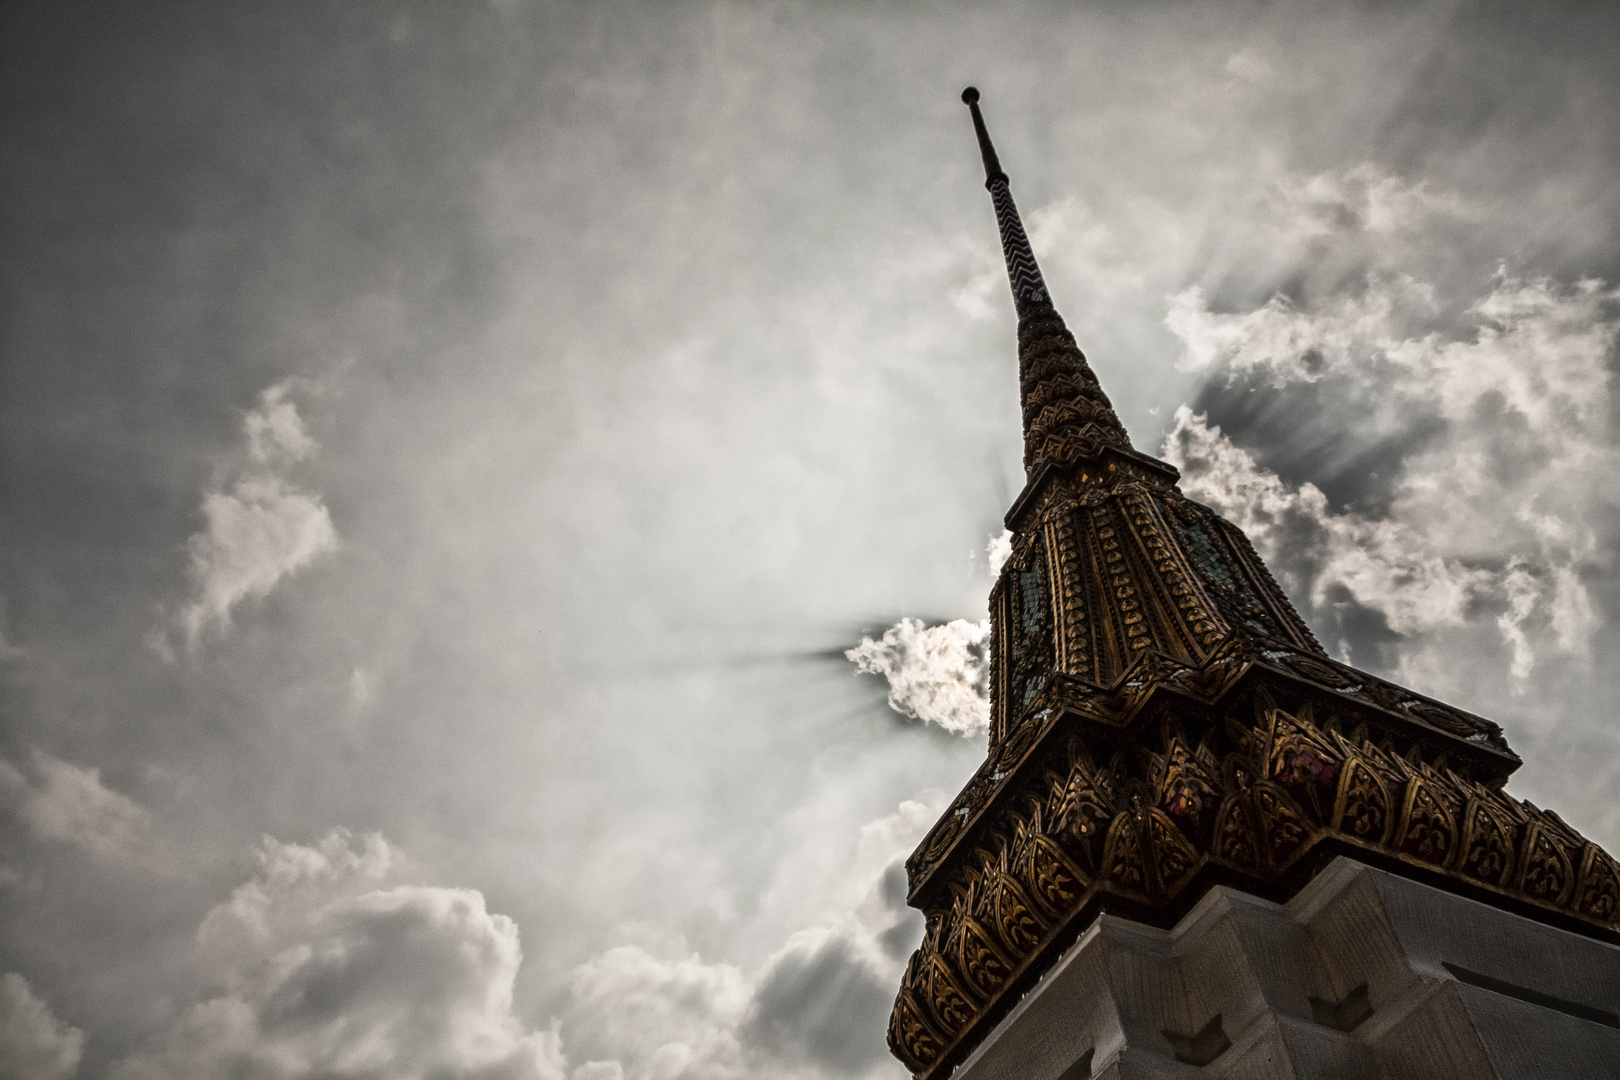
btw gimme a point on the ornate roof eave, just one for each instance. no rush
(1072, 706)
(1025, 972)
(1304, 795)
(1107, 463)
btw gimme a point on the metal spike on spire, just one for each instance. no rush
(1066, 414)
(1022, 270)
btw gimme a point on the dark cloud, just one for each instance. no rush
(329, 962)
(33, 1042)
(826, 1004)
(1315, 432)
(823, 999)
(901, 938)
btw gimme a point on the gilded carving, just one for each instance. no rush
(1188, 789)
(984, 967)
(912, 1039)
(1324, 673)
(1144, 834)
(1544, 870)
(939, 839)
(1151, 532)
(1073, 614)
(1054, 880)
(1427, 830)
(1361, 803)
(1302, 761)
(1283, 826)
(1018, 922)
(1022, 737)
(1131, 631)
(1080, 820)
(1174, 857)
(1237, 839)
(1597, 895)
(1124, 863)
(1487, 842)
(1388, 768)
(1212, 679)
(950, 1007)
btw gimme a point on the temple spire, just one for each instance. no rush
(1170, 746)
(1066, 414)
(1022, 270)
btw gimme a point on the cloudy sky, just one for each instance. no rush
(446, 450)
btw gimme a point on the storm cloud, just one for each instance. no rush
(329, 963)
(33, 1042)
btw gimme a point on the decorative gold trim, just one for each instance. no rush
(1148, 840)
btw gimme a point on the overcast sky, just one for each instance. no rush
(446, 449)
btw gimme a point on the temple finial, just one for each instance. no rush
(1025, 276)
(1066, 414)
(992, 166)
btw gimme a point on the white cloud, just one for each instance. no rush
(662, 1011)
(1520, 588)
(329, 962)
(1493, 508)
(1278, 339)
(653, 1009)
(34, 1044)
(1383, 563)
(884, 841)
(1249, 66)
(67, 803)
(256, 534)
(823, 988)
(1088, 252)
(981, 271)
(822, 882)
(935, 673)
(1537, 347)
(333, 961)
(275, 432)
(1572, 616)
(1364, 198)
(361, 691)
(998, 551)
(259, 527)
